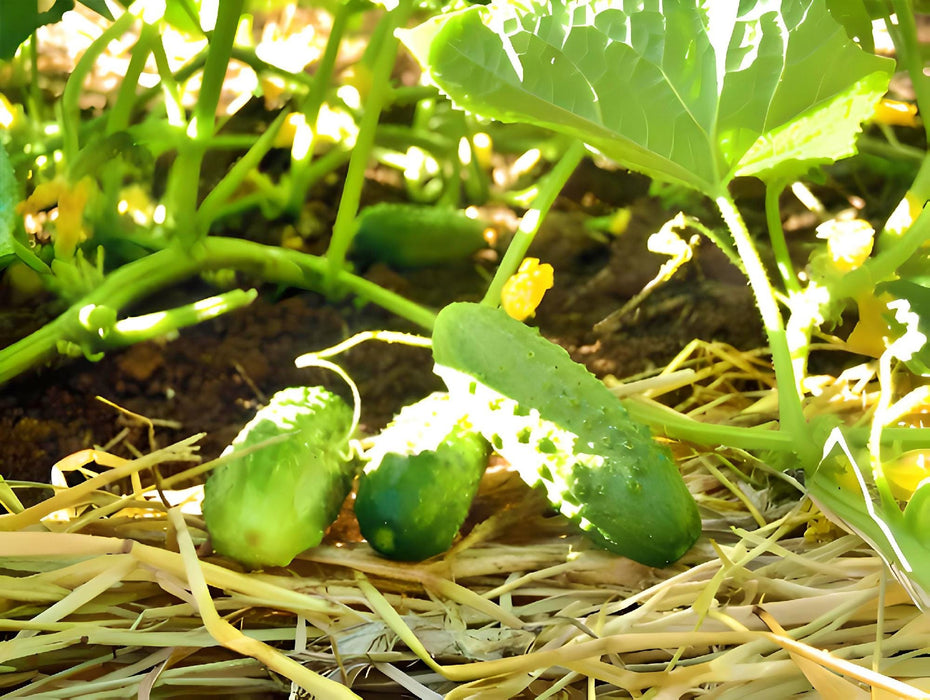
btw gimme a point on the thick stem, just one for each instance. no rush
(671, 424)
(909, 55)
(790, 410)
(227, 186)
(344, 226)
(532, 220)
(203, 123)
(155, 325)
(184, 178)
(162, 268)
(310, 107)
(120, 115)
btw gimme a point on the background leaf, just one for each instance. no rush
(683, 91)
(917, 297)
(9, 196)
(20, 18)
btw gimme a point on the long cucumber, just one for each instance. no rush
(561, 428)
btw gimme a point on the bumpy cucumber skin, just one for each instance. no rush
(412, 235)
(414, 495)
(562, 428)
(267, 506)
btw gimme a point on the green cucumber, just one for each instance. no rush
(273, 502)
(562, 428)
(414, 493)
(413, 235)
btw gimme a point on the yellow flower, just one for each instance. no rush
(523, 292)
(66, 203)
(896, 113)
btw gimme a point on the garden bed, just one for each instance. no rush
(173, 252)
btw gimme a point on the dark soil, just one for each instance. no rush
(212, 377)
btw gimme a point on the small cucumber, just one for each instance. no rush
(424, 471)
(562, 428)
(273, 502)
(413, 235)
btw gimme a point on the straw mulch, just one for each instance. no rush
(110, 592)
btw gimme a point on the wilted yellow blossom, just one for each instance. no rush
(821, 529)
(65, 203)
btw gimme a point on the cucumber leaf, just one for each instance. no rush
(854, 15)
(841, 488)
(910, 321)
(686, 91)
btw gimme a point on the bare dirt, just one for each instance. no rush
(212, 377)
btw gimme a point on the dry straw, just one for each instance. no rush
(112, 594)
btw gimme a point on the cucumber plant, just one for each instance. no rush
(696, 94)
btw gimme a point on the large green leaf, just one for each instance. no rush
(854, 15)
(684, 91)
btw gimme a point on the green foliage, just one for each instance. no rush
(184, 15)
(561, 428)
(909, 319)
(692, 93)
(289, 474)
(9, 196)
(422, 475)
(856, 19)
(695, 93)
(20, 18)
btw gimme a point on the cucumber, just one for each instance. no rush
(415, 492)
(413, 235)
(268, 505)
(562, 428)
